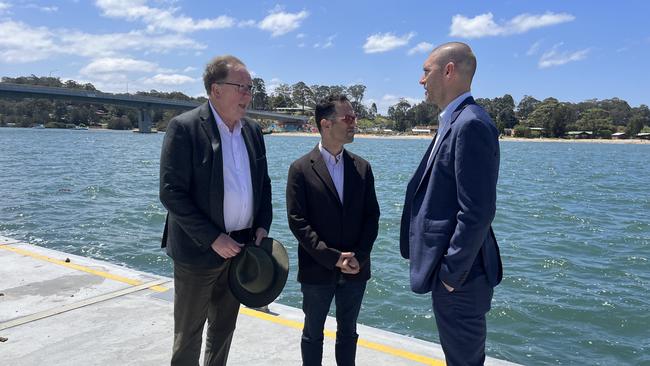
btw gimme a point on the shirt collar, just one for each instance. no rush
(445, 115)
(222, 125)
(329, 158)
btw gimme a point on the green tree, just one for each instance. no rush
(552, 116)
(526, 106)
(634, 126)
(424, 114)
(356, 92)
(400, 114)
(642, 112)
(618, 109)
(281, 97)
(120, 123)
(260, 100)
(320, 92)
(595, 120)
(302, 95)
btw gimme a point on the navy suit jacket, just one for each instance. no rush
(191, 185)
(450, 204)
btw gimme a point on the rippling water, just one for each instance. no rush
(573, 223)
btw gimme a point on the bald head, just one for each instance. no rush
(448, 73)
(460, 55)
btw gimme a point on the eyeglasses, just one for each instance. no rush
(241, 88)
(349, 119)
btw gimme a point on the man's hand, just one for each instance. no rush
(225, 246)
(347, 263)
(260, 234)
(449, 288)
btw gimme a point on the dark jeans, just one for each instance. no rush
(316, 303)
(201, 294)
(460, 317)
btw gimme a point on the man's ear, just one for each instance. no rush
(325, 123)
(450, 67)
(214, 89)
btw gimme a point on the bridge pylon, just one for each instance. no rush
(144, 120)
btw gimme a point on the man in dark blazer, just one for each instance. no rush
(214, 183)
(333, 213)
(449, 207)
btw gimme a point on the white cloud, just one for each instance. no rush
(327, 44)
(189, 68)
(300, 35)
(389, 100)
(160, 19)
(169, 79)
(113, 65)
(4, 6)
(383, 42)
(20, 43)
(534, 48)
(47, 9)
(246, 23)
(280, 22)
(422, 47)
(484, 25)
(102, 45)
(272, 85)
(554, 57)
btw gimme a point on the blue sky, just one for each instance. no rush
(571, 50)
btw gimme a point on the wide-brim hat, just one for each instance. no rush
(258, 274)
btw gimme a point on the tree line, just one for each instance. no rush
(550, 116)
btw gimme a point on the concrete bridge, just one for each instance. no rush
(144, 104)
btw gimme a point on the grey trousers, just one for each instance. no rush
(201, 294)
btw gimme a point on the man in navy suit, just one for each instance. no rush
(450, 203)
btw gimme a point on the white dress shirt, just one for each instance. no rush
(335, 167)
(237, 185)
(444, 118)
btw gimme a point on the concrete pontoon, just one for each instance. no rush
(62, 309)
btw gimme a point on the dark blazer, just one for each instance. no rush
(191, 185)
(450, 204)
(323, 226)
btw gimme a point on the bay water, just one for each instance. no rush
(573, 225)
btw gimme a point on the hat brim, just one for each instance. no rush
(280, 260)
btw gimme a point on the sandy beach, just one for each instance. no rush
(505, 138)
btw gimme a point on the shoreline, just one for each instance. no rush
(514, 139)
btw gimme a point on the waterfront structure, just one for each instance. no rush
(144, 104)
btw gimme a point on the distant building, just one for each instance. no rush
(430, 130)
(643, 135)
(302, 109)
(580, 134)
(619, 135)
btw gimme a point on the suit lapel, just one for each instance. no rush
(350, 180)
(318, 164)
(252, 159)
(443, 135)
(419, 172)
(209, 126)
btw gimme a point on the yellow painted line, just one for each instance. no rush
(250, 312)
(95, 272)
(362, 342)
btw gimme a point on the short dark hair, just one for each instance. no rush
(327, 107)
(217, 70)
